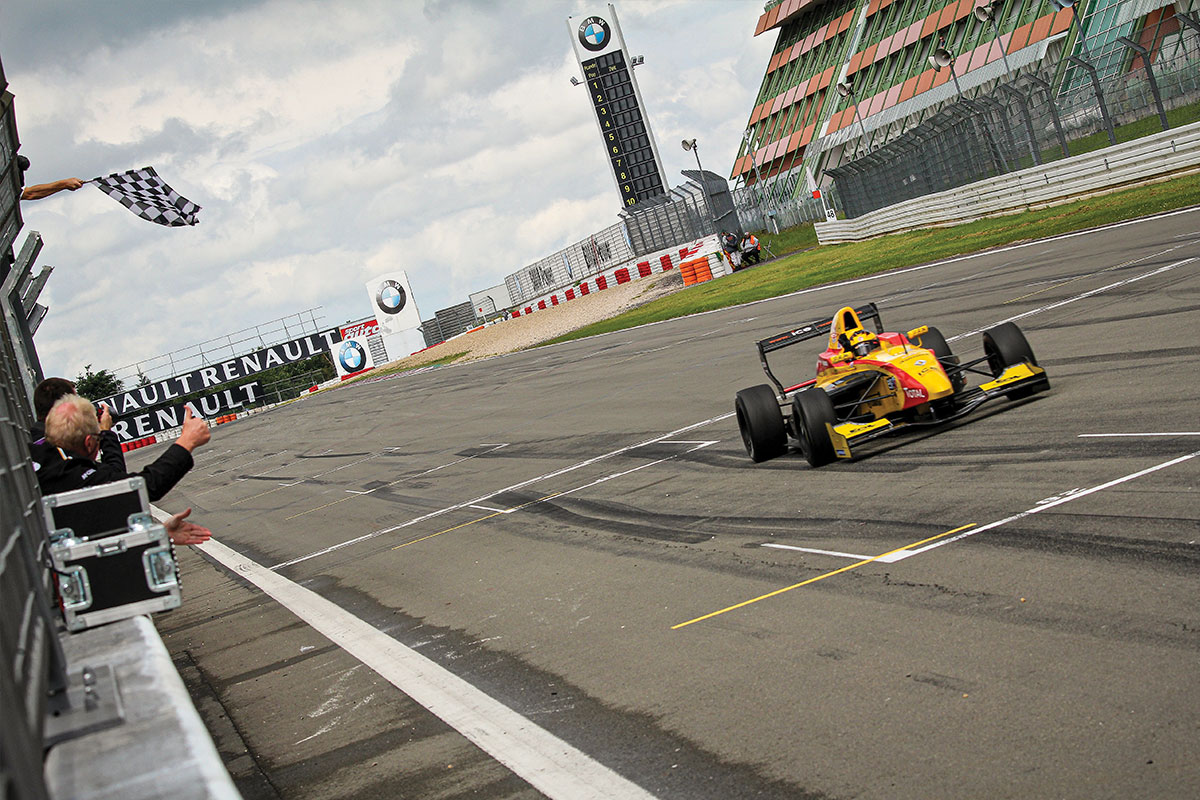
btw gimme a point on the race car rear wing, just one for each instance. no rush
(811, 330)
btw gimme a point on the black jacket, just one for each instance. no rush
(60, 471)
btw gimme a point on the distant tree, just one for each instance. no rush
(142, 378)
(97, 385)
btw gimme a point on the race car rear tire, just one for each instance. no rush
(761, 423)
(933, 340)
(1005, 346)
(813, 409)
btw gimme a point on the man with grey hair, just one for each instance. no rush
(76, 435)
(81, 450)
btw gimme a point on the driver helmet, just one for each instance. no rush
(863, 342)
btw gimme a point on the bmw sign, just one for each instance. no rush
(352, 357)
(395, 305)
(391, 297)
(594, 34)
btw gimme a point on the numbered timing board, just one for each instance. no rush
(626, 141)
(613, 92)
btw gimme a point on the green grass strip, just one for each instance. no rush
(831, 263)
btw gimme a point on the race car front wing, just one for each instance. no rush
(1017, 378)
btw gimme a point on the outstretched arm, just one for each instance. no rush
(38, 191)
(183, 532)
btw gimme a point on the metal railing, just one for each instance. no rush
(682, 215)
(574, 262)
(32, 665)
(772, 211)
(220, 348)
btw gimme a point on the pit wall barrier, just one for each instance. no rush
(707, 249)
(1157, 157)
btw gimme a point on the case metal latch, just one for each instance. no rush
(74, 588)
(159, 565)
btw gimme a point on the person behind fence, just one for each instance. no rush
(45, 395)
(81, 450)
(751, 252)
(729, 243)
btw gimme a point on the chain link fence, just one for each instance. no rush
(773, 207)
(1109, 89)
(683, 215)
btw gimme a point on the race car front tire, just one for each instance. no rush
(1005, 346)
(761, 423)
(813, 410)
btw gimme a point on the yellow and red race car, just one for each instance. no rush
(871, 383)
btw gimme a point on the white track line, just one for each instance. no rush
(1046, 505)
(1107, 435)
(513, 487)
(1042, 505)
(1076, 298)
(546, 762)
(884, 559)
(721, 417)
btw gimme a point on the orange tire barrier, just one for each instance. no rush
(695, 271)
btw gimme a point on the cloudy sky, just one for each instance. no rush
(332, 142)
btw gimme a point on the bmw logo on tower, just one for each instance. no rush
(394, 303)
(391, 297)
(594, 34)
(611, 89)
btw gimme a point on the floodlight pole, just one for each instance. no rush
(846, 89)
(987, 13)
(942, 57)
(690, 144)
(748, 138)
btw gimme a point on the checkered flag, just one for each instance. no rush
(145, 194)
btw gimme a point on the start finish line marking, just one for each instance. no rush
(957, 534)
(512, 488)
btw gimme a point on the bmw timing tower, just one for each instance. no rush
(617, 103)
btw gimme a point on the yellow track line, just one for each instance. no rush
(821, 577)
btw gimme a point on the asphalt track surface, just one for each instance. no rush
(1004, 607)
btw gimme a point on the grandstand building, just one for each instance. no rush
(883, 54)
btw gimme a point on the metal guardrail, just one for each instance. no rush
(49, 703)
(1155, 157)
(32, 665)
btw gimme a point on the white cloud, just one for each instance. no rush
(328, 144)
